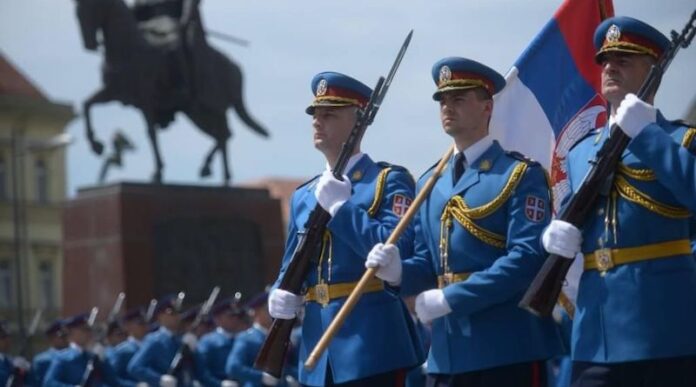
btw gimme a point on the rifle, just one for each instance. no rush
(88, 376)
(271, 357)
(150, 313)
(103, 330)
(181, 353)
(17, 378)
(359, 289)
(546, 286)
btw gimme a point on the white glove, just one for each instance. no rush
(268, 379)
(229, 383)
(99, 350)
(431, 304)
(332, 193)
(190, 339)
(283, 304)
(388, 261)
(633, 115)
(291, 382)
(21, 363)
(167, 380)
(561, 238)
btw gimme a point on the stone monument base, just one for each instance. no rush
(149, 240)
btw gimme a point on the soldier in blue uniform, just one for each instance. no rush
(6, 366)
(134, 323)
(71, 366)
(636, 305)
(417, 377)
(151, 364)
(240, 361)
(213, 349)
(115, 335)
(377, 342)
(16, 368)
(477, 246)
(57, 340)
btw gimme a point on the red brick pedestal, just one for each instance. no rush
(150, 240)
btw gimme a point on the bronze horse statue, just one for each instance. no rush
(139, 74)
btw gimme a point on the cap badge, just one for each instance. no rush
(321, 87)
(613, 34)
(445, 74)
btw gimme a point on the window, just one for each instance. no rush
(6, 285)
(46, 284)
(3, 179)
(41, 173)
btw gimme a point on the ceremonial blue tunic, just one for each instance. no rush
(646, 309)
(68, 369)
(119, 359)
(378, 335)
(154, 357)
(211, 355)
(416, 376)
(6, 369)
(240, 361)
(40, 364)
(497, 211)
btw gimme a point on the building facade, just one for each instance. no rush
(32, 192)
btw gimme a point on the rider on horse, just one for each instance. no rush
(174, 27)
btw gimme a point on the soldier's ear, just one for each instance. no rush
(488, 106)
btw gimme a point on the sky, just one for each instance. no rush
(291, 41)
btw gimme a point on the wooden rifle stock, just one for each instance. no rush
(271, 357)
(542, 294)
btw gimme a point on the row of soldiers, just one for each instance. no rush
(163, 346)
(484, 230)
(478, 239)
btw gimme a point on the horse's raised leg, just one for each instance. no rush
(205, 167)
(98, 97)
(214, 124)
(225, 164)
(152, 133)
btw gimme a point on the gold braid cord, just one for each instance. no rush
(689, 138)
(463, 82)
(637, 174)
(648, 174)
(458, 209)
(632, 46)
(379, 191)
(633, 194)
(337, 99)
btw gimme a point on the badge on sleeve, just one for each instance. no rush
(535, 208)
(401, 204)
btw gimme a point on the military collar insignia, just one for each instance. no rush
(357, 175)
(321, 87)
(613, 34)
(485, 165)
(445, 74)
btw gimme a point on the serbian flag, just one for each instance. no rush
(552, 97)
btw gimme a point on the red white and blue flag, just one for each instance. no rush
(552, 97)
